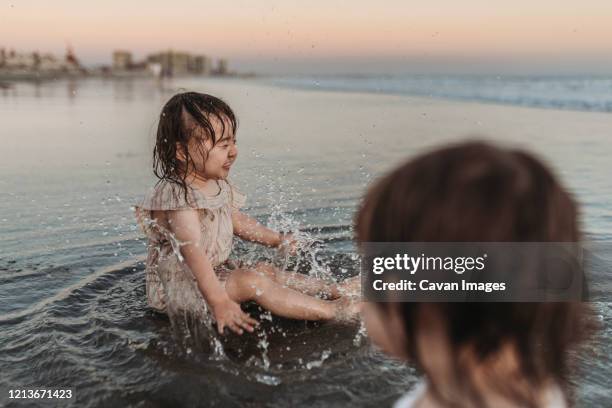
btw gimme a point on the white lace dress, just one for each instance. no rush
(169, 282)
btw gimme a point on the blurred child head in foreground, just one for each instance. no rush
(475, 354)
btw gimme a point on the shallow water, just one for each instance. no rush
(584, 93)
(72, 302)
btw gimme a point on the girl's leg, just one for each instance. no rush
(309, 285)
(247, 284)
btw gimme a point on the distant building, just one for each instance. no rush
(221, 67)
(71, 59)
(11, 60)
(122, 60)
(176, 63)
(172, 62)
(155, 69)
(201, 65)
(48, 62)
(34, 62)
(179, 62)
(71, 62)
(15, 61)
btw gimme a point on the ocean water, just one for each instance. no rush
(76, 157)
(584, 93)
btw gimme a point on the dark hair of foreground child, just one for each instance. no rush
(476, 354)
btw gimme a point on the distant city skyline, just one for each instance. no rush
(330, 36)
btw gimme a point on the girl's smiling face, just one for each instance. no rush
(214, 161)
(222, 155)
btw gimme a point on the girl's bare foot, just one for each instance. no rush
(347, 309)
(350, 287)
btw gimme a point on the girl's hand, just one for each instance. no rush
(288, 241)
(228, 314)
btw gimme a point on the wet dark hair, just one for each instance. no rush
(185, 116)
(476, 192)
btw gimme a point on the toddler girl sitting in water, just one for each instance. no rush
(190, 217)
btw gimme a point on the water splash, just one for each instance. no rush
(190, 317)
(263, 345)
(318, 363)
(361, 335)
(267, 379)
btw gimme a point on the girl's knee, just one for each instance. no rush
(247, 283)
(266, 269)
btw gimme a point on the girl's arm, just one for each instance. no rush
(250, 229)
(184, 225)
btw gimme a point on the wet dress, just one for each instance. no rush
(170, 284)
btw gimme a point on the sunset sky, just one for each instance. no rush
(327, 36)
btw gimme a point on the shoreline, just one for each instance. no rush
(11, 81)
(13, 78)
(436, 98)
